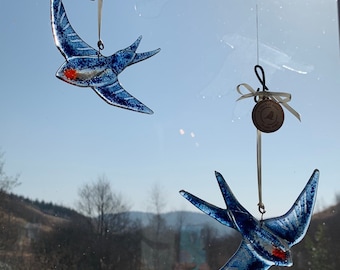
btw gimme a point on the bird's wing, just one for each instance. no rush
(114, 94)
(294, 224)
(221, 215)
(245, 258)
(65, 38)
(224, 216)
(229, 198)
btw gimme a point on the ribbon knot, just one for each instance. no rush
(280, 97)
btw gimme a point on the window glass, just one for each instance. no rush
(62, 146)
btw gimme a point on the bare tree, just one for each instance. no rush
(7, 183)
(157, 201)
(180, 220)
(156, 234)
(97, 200)
(157, 205)
(85, 204)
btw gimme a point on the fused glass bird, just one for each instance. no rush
(265, 242)
(87, 67)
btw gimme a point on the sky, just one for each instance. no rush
(58, 136)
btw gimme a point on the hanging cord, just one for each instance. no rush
(257, 36)
(261, 206)
(262, 80)
(100, 43)
(338, 3)
(258, 132)
(279, 97)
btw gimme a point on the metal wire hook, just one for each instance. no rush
(100, 45)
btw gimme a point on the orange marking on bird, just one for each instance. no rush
(279, 253)
(70, 74)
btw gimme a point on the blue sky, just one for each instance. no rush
(58, 136)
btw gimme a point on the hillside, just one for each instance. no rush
(38, 235)
(22, 222)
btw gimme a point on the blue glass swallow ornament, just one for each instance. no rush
(265, 242)
(87, 67)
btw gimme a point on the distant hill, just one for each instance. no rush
(186, 218)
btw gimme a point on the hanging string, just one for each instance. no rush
(259, 173)
(278, 97)
(258, 132)
(100, 43)
(338, 3)
(257, 37)
(262, 80)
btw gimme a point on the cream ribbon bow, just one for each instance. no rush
(280, 97)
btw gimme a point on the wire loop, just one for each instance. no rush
(100, 45)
